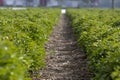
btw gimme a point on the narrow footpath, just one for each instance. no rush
(64, 59)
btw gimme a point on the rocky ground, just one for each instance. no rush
(64, 59)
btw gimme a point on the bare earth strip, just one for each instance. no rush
(64, 59)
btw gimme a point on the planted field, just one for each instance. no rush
(41, 44)
(98, 33)
(22, 37)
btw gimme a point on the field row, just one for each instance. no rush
(98, 33)
(22, 37)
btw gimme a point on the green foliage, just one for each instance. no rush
(23, 33)
(11, 62)
(98, 35)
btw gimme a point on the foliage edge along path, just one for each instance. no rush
(22, 37)
(98, 33)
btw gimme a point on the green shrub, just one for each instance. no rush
(12, 64)
(27, 30)
(98, 35)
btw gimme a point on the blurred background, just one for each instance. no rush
(61, 3)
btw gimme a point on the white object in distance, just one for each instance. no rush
(63, 11)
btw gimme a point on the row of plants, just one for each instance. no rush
(23, 34)
(98, 33)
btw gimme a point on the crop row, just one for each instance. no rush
(22, 37)
(98, 33)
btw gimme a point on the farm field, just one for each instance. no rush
(43, 44)
(22, 37)
(98, 33)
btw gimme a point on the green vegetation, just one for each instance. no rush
(98, 33)
(22, 37)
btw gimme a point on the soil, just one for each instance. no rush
(65, 61)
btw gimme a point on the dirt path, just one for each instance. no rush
(64, 59)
